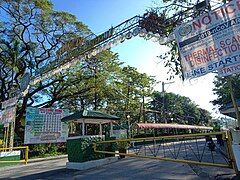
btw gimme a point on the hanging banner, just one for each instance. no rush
(43, 125)
(211, 42)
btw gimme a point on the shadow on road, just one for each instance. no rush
(52, 174)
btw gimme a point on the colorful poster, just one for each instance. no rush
(43, 125)
(211, 42)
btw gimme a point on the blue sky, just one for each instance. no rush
(100, 15)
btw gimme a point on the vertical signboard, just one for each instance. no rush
(7, 117)
(43, 125)
(211, 42)
(8, 113)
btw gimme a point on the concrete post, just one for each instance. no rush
(83, 128)
(111, 128)
(100, 133)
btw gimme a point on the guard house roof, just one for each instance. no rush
(91, 117)
(175, 126)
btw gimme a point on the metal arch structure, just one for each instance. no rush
(87, 50)
(149, 25)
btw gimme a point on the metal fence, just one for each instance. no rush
(6, 155)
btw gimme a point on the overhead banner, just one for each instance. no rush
(43, 125)
(211, 42)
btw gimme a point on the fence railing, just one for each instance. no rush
(7, 153)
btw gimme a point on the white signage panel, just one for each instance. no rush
(43, 125)
(9, 102)
(7, 115)
(211, 42)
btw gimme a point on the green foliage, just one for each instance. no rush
(222, 90)
(44, 5)
(105, 85)
(30, 35)
(123, 145)
(178, 109)
(44, 150)
(81, 150)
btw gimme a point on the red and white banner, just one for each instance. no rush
(211, 42)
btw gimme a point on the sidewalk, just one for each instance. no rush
(32, 162)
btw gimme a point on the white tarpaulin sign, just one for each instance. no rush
(211, 42)
(7, 115)
(9, 102)
(43, 125)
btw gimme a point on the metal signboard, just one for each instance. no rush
(43, 125)
(211, 42)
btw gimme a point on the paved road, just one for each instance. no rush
(126, 169)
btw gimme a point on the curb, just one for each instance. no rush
(31, 161)
(47, 158)
(90, 164)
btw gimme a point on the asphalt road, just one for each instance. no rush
(126, 169)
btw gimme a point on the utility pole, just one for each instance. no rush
(143, 101)
(127, 112)
(163, 106)
(155, 113)
(163, 94)
(95, 83)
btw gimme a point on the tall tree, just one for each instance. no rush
(170, 107)
(30, 34)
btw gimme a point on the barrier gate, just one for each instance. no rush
(209, 149)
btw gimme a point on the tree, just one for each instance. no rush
(175, 108)
(227, 90)
(94, 85)
(134, 87)
(35, 38)
(30, 35)
(222, 90)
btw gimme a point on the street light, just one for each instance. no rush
(128, 130)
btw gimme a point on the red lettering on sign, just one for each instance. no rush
(238, 4)
(215, 15)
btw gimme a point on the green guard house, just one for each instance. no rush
(82, 126)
